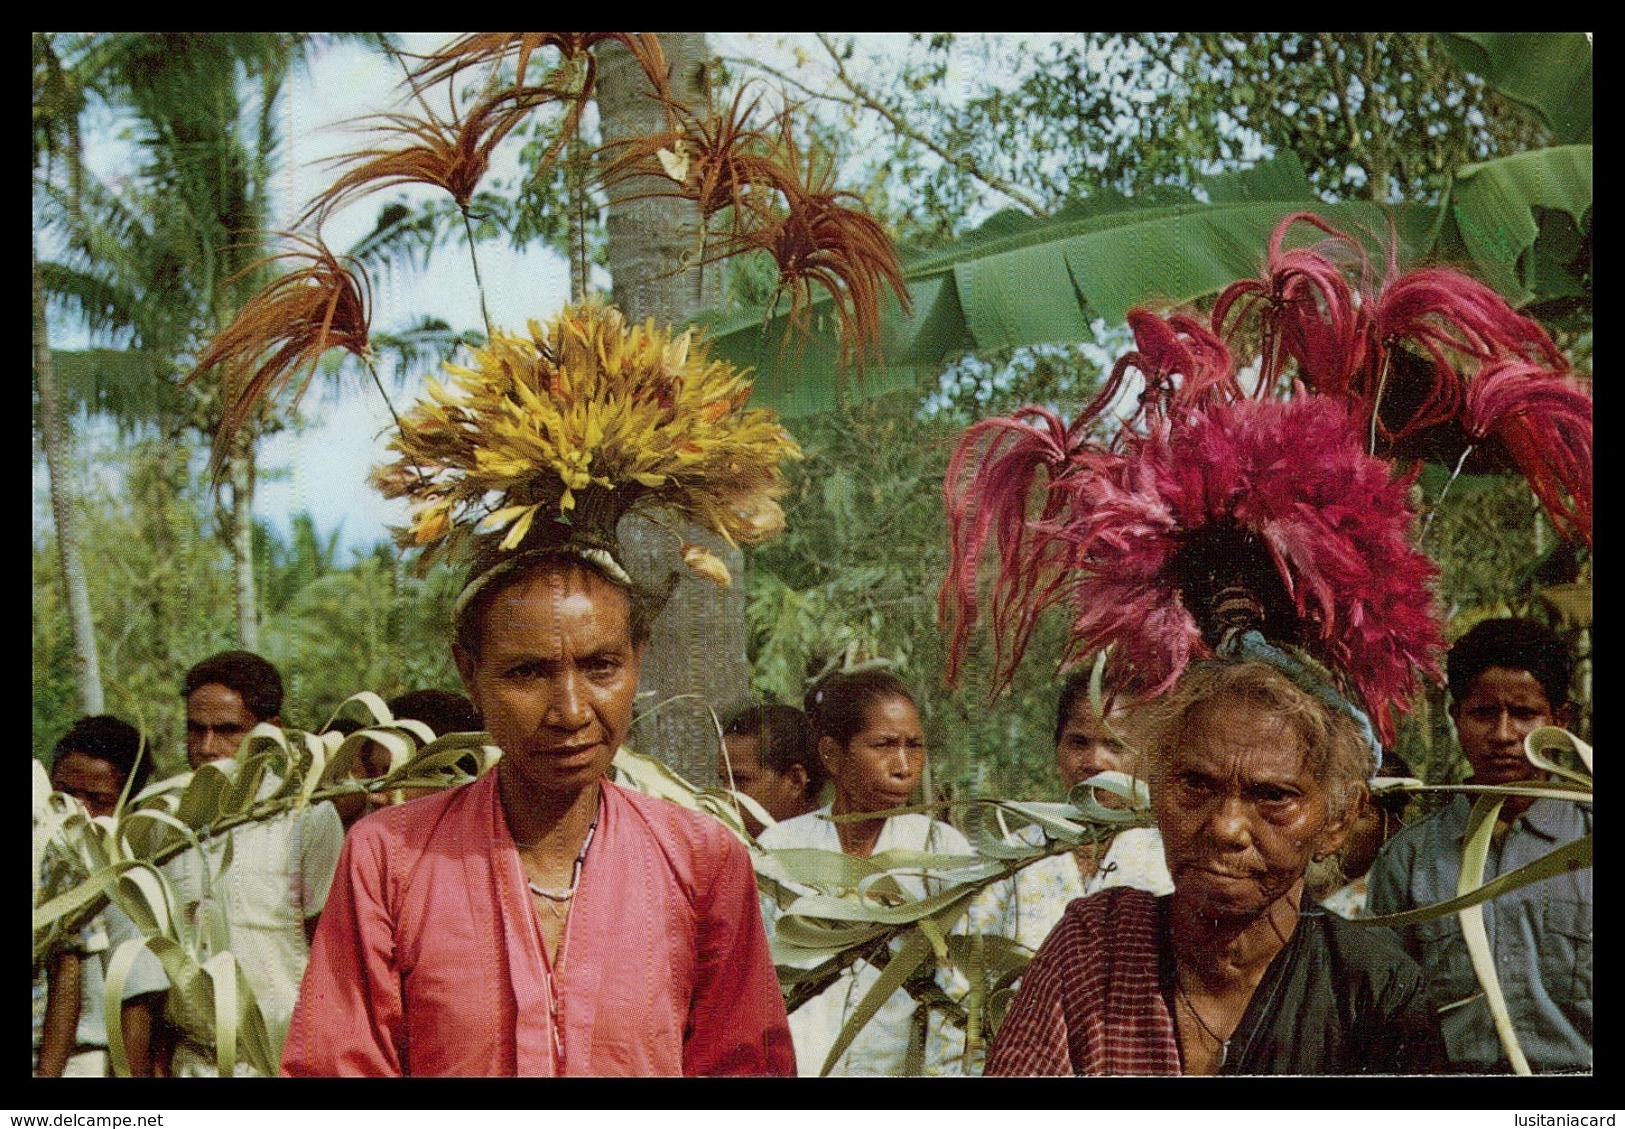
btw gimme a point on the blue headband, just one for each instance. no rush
(1251, 645)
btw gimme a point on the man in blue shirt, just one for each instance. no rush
(1507, 677)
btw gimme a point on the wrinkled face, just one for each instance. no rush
(1501, 708)
(555, 677)
(881, 765)
(1241, 814)
(1088, 747)
(92, 781)
(783, 794)
(216, 723)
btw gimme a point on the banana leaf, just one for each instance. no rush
(1550, 72)
(1517, 221)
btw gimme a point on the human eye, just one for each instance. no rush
(602, 667)
(1193, 783)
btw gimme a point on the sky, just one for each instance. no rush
(321, 464)
(321, 467)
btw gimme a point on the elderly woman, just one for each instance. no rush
(871, 741)
(1235, 972)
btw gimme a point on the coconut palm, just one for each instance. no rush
(202, 112)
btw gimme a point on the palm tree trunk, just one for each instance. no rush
(695, 668)
(87, 665)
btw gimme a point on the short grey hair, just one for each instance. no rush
(1336, 750)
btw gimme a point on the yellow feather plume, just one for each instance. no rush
(549, 437)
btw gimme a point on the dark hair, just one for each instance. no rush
(444, 711)
(1516, 644)
(838, 706)
(485, 584)
(254, 679)
(1075, 687)
(786, 736)
(110, 739)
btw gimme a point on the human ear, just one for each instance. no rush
(829, 751)
(1335, 832)
(465, 670)
(1566, 716)
(797, 775)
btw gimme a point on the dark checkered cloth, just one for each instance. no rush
(1090, 1001)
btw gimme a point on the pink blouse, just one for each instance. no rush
(428, 961)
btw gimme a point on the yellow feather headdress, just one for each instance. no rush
(545, 440)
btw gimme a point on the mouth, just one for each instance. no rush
(1222, 874)
(573, 754)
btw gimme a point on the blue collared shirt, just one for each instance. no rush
(1540, 934)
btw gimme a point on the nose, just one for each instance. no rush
(1228, 824)
(567, 705)
(1506, 729)
(906, 765)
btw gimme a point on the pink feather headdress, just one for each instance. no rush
(1415, 355)
(1148, 536)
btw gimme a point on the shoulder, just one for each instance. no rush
(1561, 820)
(1112, 908)
(1361, 949)
(1419, 841)
(1368, 962)
(411, 826)
(795, 831)
(921, 832)
(699, 838)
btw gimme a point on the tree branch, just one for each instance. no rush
(865, 100)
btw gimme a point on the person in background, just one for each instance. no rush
(1342, 883)
(270, 894)
(1507, 678)
(443, 711)
(93, 762)
(872, 743)
(1085, 745)
(770, 755)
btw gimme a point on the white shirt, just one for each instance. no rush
(881, 1048)
(268, 877)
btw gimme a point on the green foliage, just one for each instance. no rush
(858, 568)
(369, 626)
(161, 594)
(87, 863)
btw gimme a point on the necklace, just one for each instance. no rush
(1223, 1044)
(556, 898)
